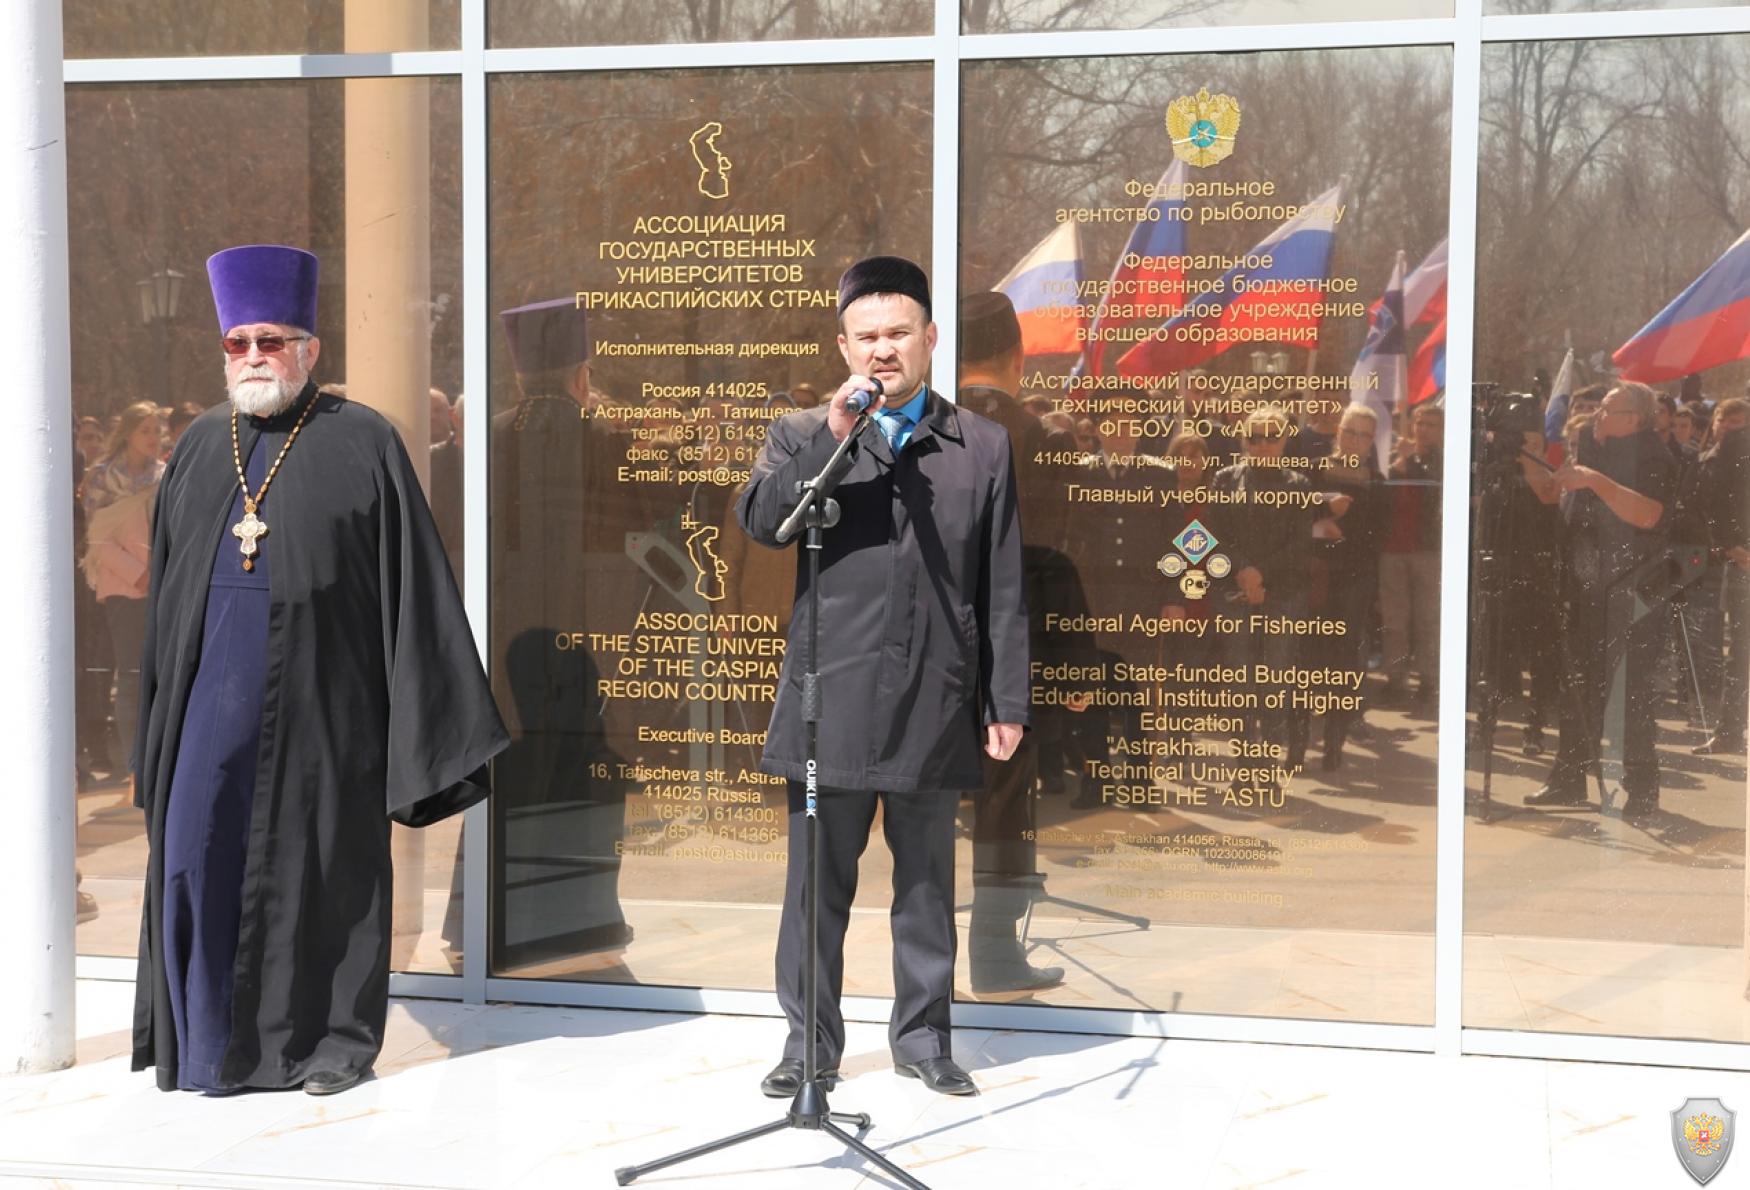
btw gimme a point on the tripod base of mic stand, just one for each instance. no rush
(1486, 809)
(808, 1112)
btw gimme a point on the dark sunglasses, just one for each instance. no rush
(266, 344)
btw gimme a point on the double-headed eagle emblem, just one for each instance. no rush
(1702, 1130)
(1704, 1134)
(1203, 127)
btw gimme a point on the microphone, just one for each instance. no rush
(863, 398)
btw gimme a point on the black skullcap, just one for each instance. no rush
(884, 274)
(988, 327)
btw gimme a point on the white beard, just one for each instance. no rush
(263, 394)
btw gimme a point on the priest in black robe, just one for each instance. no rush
(309, 677)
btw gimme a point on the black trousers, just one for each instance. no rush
(1003, 847)
(1611, 636)
(920, 835)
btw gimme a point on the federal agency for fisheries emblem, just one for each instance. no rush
(1702, 1131)
(1203, 127)
(1194, 544)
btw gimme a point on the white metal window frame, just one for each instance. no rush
(946, 50)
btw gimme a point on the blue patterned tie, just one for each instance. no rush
(897, 426)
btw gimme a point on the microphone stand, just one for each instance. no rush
(816, 512)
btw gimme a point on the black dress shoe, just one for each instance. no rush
(941, 1075)
(1557, 795)
(332, 1082)
(1639, 810)
(1719, 743)
(786, 1079)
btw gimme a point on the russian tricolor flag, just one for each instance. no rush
(1377, 380)
(1234, 312)
(1555, 414)
(1045, 288)
(1425, 301)
(1425, 290)
(1707, 324)
(1148, 273)
(1428, 369)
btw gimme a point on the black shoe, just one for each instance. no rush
(332, 1082)
(1638, 810)
(1012, 975)
(1720, 743)
(786, 1079)
(941, 1075)
(1557, 795)
(1331, 761)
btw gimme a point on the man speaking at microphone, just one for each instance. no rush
(922, 660)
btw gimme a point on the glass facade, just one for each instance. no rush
(697, 224)
(1606, 865)
(1228, 782)
(366, 172)
(1519, 7)
(175, 28)
(1038, 16)
(657, 22)
(1231, 273)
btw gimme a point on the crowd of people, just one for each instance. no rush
(1626, 554)
(1624, 582)
(1305, 528)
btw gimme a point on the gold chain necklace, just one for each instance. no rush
(251, 529)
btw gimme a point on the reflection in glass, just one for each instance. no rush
(1024, 16)
(1605, 881)
(665, 271)
(152, 203)
(177, 28)
(1514, 7)
(653, 22)
(1235, 802)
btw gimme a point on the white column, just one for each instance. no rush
(37, 808)
(388, 294)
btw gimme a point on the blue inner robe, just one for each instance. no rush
(206, 829)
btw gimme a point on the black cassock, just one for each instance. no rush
(373, 707)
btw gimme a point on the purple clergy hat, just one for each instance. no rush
(546, 336)
(264, 283)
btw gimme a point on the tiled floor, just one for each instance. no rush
(502, 1096)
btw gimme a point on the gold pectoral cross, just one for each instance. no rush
(248, 531)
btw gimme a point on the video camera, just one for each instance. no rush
(1504, 419)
